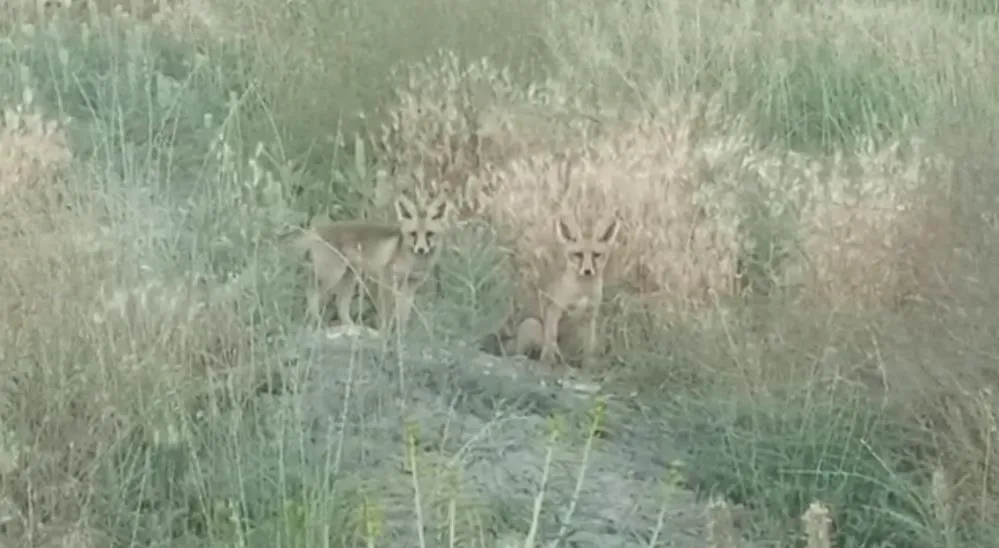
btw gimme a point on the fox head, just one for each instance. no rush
(586, 254)
(422, 224)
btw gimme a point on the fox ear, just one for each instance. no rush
(405, 209)
(438, 208)
(609, 233)
(565, 230)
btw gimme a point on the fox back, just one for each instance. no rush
(373, 246)
(365, 245)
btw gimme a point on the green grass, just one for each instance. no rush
(159, 386)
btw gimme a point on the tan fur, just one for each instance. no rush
(570, 295)
(342, 253)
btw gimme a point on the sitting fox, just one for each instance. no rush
(569, 296)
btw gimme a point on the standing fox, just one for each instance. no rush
(344, 252)
(570, 292)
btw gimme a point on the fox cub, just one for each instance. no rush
(345, 252)
(570, 294)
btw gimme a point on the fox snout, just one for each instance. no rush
(586, 263)
(419, 221)
(422, 243)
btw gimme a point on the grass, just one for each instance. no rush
(161, 388)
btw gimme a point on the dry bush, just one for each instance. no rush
(871, 227)
(33, 156)
(517, 157)
(690, 183)
(452, 121)
(680, 240)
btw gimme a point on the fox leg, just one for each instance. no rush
(326, 282)
(403, 293)
(530, 335)
(590, 340)
(316, 301)
(394, 299)
(329, 270)
(344, 292)
(549, 348)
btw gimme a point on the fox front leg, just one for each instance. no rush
(590, 341)
(549, 348)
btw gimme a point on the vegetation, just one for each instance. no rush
(801, 303)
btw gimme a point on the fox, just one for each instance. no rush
(344, 252)
(569, 296)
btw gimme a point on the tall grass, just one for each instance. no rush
(810, 76)
(150, 161)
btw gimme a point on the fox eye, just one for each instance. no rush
(430, 235)
(412, 235)
(597, 255)
(576, 255)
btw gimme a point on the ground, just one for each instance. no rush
(799, 318)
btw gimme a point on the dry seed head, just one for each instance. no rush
(720, 525)
(33, 153)
(817, 526)
(454, 120)
(10, 452)
(943, 501)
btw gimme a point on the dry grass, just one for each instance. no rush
(127, 335)
(648, 176)
(35, 153)
(721, 525)
(518, 173)
(850, 234)
(869, 225)
(816, 521)
(852, 228)
(452, 122)
(34, 156)
(39, 249)
(200, 19)
(788, 155)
